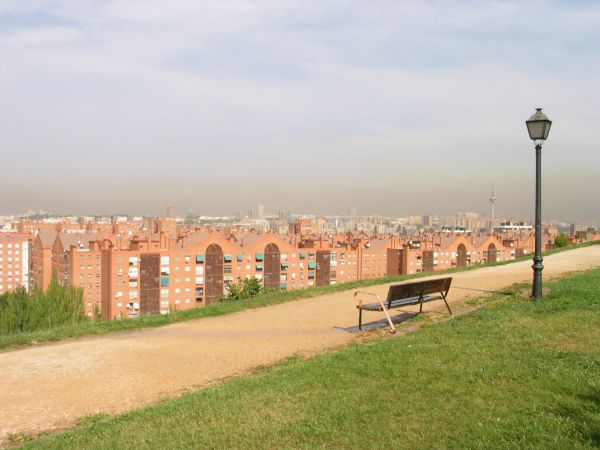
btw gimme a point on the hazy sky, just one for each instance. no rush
(391, 107)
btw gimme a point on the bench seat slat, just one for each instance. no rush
(399, 303)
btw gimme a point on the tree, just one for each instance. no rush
(561, 240)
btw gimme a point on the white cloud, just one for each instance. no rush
(328, 87)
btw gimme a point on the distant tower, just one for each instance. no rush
(492, 200)
(261, 211)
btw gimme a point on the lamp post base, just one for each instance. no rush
(537, 277)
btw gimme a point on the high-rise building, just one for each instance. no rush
(14, 261)
(261, 211)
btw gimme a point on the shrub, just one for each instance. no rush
(249, 287)
(23, 312)
(561, 240)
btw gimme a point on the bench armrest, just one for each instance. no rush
(359, 302)
(383, 308)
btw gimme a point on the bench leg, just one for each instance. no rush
(387, 316)
(360, 319)
(447, 306)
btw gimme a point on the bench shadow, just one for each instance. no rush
(380, 324)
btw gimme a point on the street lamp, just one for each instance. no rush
(538, 127)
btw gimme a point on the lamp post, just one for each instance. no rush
(538, 127)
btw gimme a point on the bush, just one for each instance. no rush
(249, 287)
(23, 312)
(561, 240)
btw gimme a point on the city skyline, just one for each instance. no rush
(392, 108)
(261, 216)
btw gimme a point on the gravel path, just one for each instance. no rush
(50, 386)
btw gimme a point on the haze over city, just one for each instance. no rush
(390, 107)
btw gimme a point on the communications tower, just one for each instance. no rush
(492, 199)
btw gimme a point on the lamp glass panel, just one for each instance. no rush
(547, 129)
(536, 129)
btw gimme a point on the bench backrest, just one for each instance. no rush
(417, 288)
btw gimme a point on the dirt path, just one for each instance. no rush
(51, 386)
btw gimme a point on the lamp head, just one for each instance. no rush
(538, 126)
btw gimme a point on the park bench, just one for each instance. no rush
(405, 294)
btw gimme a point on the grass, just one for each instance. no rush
(87, 328)
(512, 374)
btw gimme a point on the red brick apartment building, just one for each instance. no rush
(40, 266)
(126, 271)
(14, 261)
(76, 260)
(156, 273)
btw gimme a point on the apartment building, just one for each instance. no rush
(126, 271)
(76, 261)
(40, 268)
(303, 227)
(443, 251)
(32, 227)
(14, 261)
(127, 283)
(157, 274)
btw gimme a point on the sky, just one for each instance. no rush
(391, 107)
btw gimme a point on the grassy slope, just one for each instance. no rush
(513, 374)
(101, 328)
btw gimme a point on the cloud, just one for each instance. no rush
(299, 95)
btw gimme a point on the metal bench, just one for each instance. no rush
(405, 294)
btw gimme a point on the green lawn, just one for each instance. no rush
(512, 374)
(100, 328)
